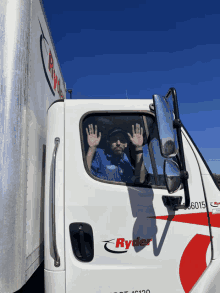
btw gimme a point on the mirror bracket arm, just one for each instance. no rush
(177, 123)
(184, 175)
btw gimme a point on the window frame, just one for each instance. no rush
(143, 112)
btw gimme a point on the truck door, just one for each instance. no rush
(119, 236)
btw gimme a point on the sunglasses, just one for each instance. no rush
(116, 138)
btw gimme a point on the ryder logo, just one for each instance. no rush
(52, 79)
(215, 204)
(121, 245)
(56, 82)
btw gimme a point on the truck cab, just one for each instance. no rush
(142, 221)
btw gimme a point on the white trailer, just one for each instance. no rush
(31, 80)
(107, 232)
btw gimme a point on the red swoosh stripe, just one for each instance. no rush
(215, 220)
(195, 218)
(193, 261)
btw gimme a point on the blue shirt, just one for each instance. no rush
(112, 167)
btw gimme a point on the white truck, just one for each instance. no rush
(31, 80)
(108, 231)
(137, 213)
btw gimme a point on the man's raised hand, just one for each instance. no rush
(137, 138)
(92, 138)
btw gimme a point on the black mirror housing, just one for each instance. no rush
(172, 176)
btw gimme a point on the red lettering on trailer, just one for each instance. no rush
(58, 86)
(127, 243)
(56, 82)
(143, 242)
(50, 64)
(136, 242)
(120, 241)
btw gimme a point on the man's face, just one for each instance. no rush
(118, 143)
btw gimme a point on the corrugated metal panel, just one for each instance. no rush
(13, 177)
(25, 98)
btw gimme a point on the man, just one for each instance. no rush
(114, 164)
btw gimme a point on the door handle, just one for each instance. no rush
(82, 242)
(56, 254)
(81, 236)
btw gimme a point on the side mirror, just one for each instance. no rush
(172, 176)
(167, 135)
(169, 128)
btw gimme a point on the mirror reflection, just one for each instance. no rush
(167, 135)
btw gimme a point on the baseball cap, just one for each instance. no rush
(117, 131)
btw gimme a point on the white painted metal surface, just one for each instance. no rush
(55, 129)
(116, 211)
(25, 97)
(179, 257)
(209, 281)
(54, 282)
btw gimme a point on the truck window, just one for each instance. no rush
(110, 144)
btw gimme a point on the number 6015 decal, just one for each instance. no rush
(197, 205)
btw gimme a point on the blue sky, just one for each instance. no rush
(145, 47)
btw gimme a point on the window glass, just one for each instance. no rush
(113, 145)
